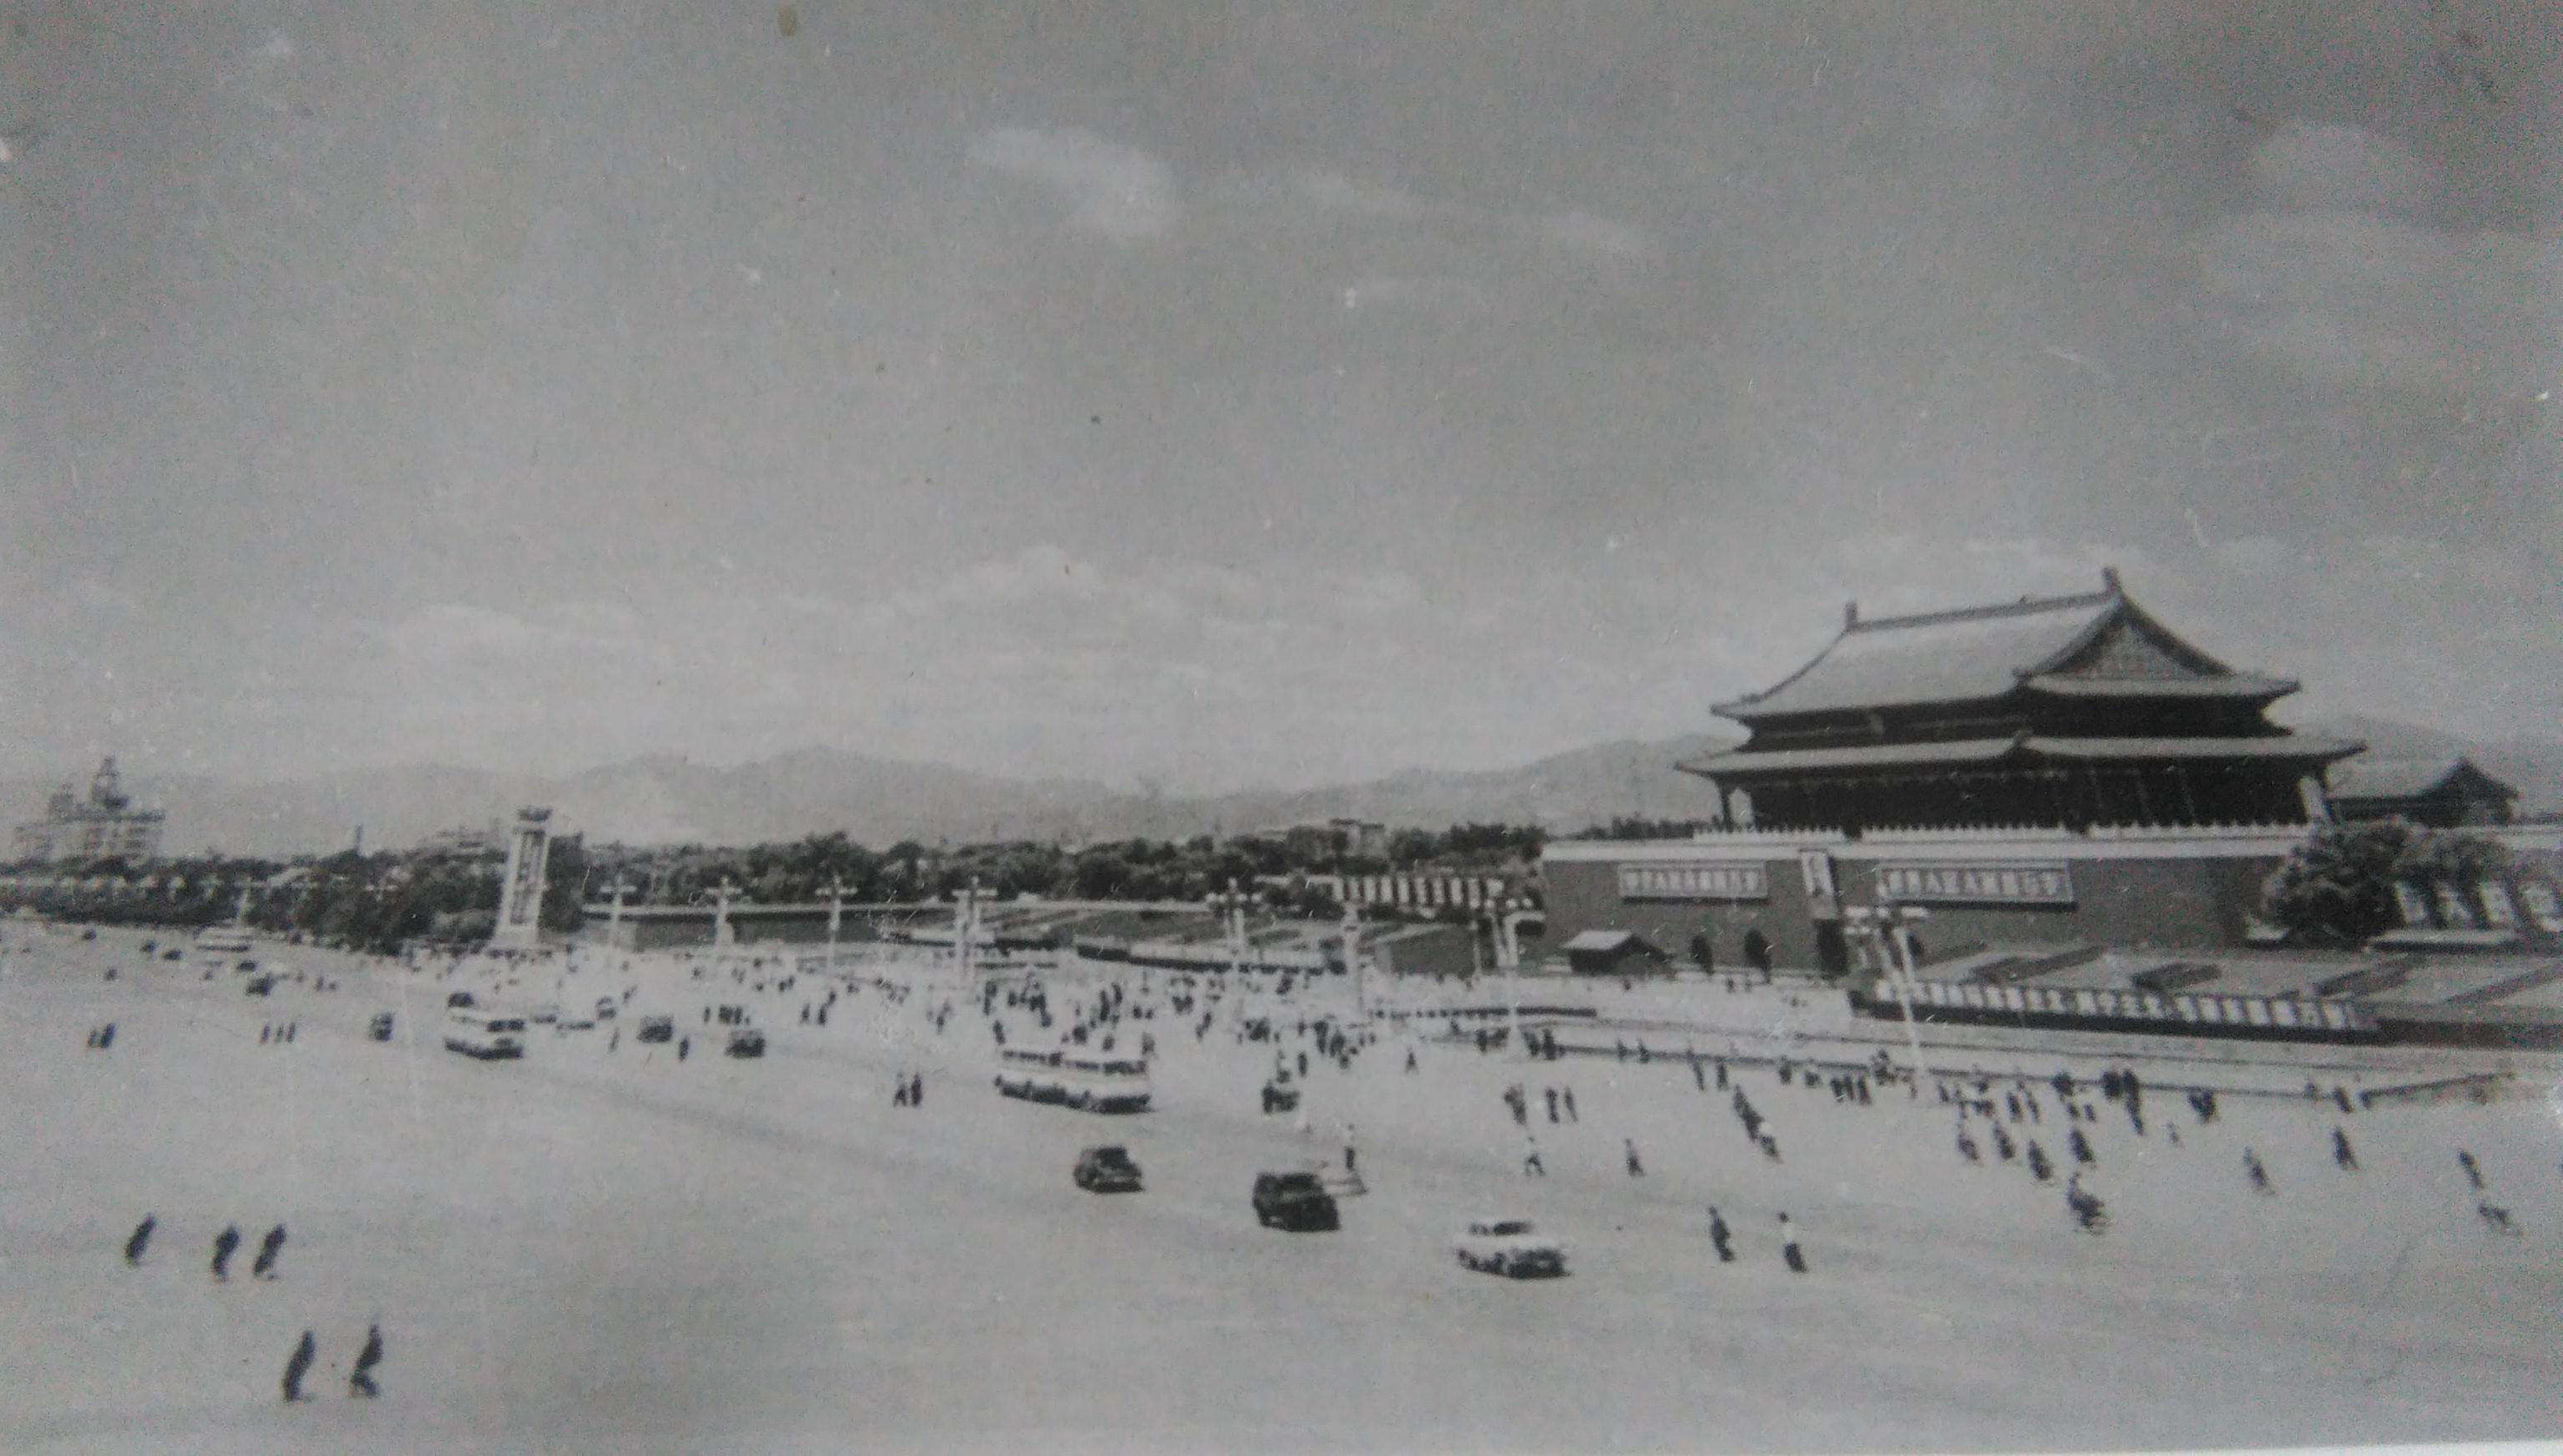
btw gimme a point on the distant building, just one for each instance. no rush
(2444, 792)
(1321, 837)
(488, 840)
(2040, 777)
(2064, 713)
(105, 825)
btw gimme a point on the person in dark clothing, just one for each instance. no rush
(141, 1238)
(1789, 1251)
(2340, 1152)
(262, 1034)
(1637, 1169)
(2078, 1145)
(225, 1243)
(1566, 1095)
(916, 1089)
(361, 1381)
(1721, 1076)
(685, 1046)
(2473, 1170)
(1552, 1104)
(1410, 1058)
(299, 1364)
(106, 1037)
(2260, 1175)
(1718, 1237)
(2039, 1165)
(268, 1248)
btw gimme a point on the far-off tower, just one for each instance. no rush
(521, 893)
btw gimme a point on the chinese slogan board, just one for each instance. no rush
(1978, 883)
(1694, 882)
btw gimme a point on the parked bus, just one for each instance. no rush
(1070, 1078)
(485, 1034)
(221, 946)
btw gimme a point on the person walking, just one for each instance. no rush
(264, 1267)
(1790, 1254)
(1567, 1095)
(299, 1364)
(140, 1241)
(1552, 1106)
(1532, 1168)
(2260, 1175)
(361, 1382)
(2340, 1150)
(1719, 1236)
(1629, 1146)
(225, 1244)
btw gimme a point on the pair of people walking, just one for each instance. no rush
(228, 1242)
(360, 1381)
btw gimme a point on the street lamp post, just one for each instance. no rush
(1885, 925)
(835, 913)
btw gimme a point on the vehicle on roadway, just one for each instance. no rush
(458, 999)
(1107, 1170)
(1280, 1096)
(488, 1035)
(656, 1028)
(1511, 1247)
(380, 1028)
(258, 985)
(1297, 1201)
(1066, 1077)
(746, 1041)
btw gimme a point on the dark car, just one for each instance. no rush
(1297, 1201)
(458, 999)
(656, 1028)
(259, 985)
(746, 1041)
(1107, 1170)
(380, 1028)
(173, 954)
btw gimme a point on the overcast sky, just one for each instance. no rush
(1119, 389)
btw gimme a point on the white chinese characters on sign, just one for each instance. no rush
(1978, 883)
(1694, 882)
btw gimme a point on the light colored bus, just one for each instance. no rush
(1072, 1077)
(221, 945)
(485, 1034)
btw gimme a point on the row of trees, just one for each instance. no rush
(372, 902)
(1133, 869)
(2338, 887)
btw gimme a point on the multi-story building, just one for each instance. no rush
(105, 825)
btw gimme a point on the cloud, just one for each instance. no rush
(1428, 291)
(1573, 230)
(1337, 192)
(1600, 237)
(2353, 299)
(1115, 191)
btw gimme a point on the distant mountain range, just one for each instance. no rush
(668, 800)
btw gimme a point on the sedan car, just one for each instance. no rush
(1510, 1247)
(1107, 1170)
(746, 1041)
(1297, 1201)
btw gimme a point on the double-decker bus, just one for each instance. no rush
(1073, 1078)
(475, 1032)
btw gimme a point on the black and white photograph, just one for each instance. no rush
(1174, 725)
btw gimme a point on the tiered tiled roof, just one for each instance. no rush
(2096, 645)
